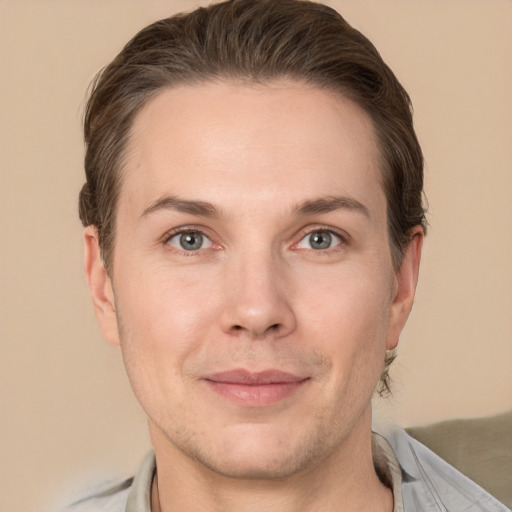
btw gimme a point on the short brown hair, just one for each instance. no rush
(255, 41)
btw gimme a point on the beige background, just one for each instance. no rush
(66, 410)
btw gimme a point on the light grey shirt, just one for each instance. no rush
(421, 482)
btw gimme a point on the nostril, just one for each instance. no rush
(270, 328)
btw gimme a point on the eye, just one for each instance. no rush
(190, 241)
(320, 239)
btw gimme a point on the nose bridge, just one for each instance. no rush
(260, 294)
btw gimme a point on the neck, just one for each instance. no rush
(346, 479)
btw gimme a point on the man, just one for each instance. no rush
(253, 229)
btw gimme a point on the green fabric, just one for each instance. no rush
(479, 448)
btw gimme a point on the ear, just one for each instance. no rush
(100, 286)
(406, 279)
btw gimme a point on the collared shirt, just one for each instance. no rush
(420, 480)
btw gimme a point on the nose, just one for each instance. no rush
(259, 299)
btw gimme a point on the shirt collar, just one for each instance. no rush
(430, 484)
(386, 463)
(139, 498)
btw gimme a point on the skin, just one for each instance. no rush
(257, 294)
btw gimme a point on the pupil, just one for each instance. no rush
(320, 240)
(191, 241)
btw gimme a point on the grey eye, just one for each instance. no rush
(190, 241)
(319, 240)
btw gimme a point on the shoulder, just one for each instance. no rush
(432, 482)
(133, 494)
(481, 448)
(111, 497)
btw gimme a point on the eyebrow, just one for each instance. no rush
(305, 208)
(330, 204)
(201, 208)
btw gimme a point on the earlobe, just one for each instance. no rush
(100, 286)
(406, 281)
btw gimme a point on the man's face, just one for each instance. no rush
(253, 287)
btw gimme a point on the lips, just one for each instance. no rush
(255, 389)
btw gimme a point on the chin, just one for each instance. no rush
(257, 454)
(261, 466)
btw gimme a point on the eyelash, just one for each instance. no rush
(343, 237)
(183, 231)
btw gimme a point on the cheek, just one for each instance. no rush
(162, 320)
(161, 298)
(353, 303)
(348, 316)
(162, 316)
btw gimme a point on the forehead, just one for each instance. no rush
(248, 142)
